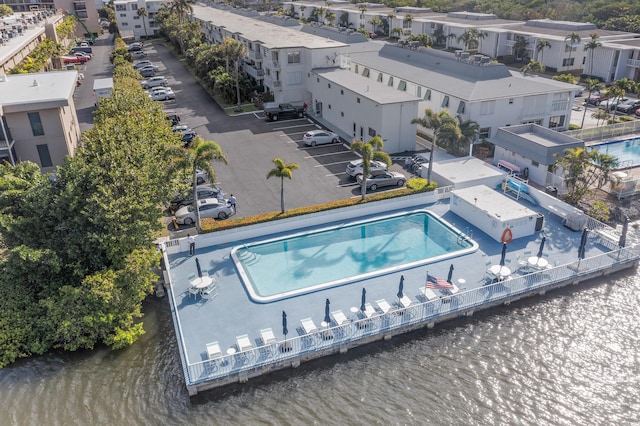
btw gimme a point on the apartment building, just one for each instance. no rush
(38, 120)
(130, 22)
(85, 11)
(615, 60)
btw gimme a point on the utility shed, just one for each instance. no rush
(102, 87)
(494, 213)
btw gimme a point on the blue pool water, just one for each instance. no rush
(627, 151)
(300, 263)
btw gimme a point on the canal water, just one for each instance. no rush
(571, 357)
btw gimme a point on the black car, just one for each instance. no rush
(629, 107)
(188, 137)
(174, 119)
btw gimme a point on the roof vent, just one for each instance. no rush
(35, 83)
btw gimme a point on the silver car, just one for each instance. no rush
(162, 95)
(154, 82)
(209, 208)
(380, 179)
(319, 137)
(354, 168)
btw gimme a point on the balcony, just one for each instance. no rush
(277, 84)
(255, 55)
(634, 63)
(254, 72)
(275, 65)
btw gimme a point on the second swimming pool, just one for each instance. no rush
(627, 151)
(304, 262)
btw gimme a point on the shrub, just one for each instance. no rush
(600, 211)
(573, 126)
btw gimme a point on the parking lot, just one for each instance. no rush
(251, 143)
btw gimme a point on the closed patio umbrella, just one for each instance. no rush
(583, 243)
(198, 266)
(401, 287)
(364, 300)
(504, 254)
(450, 274)
(544, 239)
(623, 235)
(284, 324)
(327, 318)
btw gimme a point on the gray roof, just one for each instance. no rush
(465, 80)
(23, 90)
(378, 93)
(334, 33)
(560, 29)
(535, 142)
(269, 35)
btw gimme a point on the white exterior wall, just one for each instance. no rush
(345, 109)
(128, 19)
(537, 173)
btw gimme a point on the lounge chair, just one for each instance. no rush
(308, 326)
(213, 350)
(339, 317)
(383, 305)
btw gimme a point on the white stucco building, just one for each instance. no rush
(130, 22)
(615, 60)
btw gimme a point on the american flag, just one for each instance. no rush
(438, 283)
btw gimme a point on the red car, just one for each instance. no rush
(73, 60)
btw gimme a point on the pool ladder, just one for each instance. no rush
(466, 235)
(249, 257)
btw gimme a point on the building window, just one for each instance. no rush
(82, 14)
(341, 92)
(487, 107)
(329, 106)
(36, 123)
(45, 156)
(461, 107)
(379, 77)
(445, 102)
(137, 26)
(121, 7)
(427, 95)
(341, 113)
(358, 100)
(556, 121)
(365, 72)
(419, 92)
(484, 132)
(123, 15)
(568, 62)
(510, 101)
(329, 85)
(568, 48)
(372, 132)
(134, 7)
(317, 80)
(136, 17)
(357, 72)
(402, 86)
(293, 57)
(390, 83)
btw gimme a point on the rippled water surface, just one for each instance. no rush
(571, 357)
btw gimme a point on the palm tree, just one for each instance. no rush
(441, 123)
(480, 35)
(408, 18)
(583, 170)
(600, 114)
(469, 131)
(181, 8)
(363, 8)
(199, 156)
(369, 151)
(282, 171)
(234, 51)
(533, 67)
(591, 46)
(520, 46)
(142, 13)
(592, 85)
(618, 90)
(468, 38)
(572, 39)
(375, 23)
(542, 44)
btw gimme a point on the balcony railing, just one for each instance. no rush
(277, 84)
(358, 330)
(635, 63)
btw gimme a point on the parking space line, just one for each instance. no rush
(332, 164)
(347, 185)
(290, 127)
(293, 133)
(335, 174)
(320, 155)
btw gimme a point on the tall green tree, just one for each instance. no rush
(369, 151)
(585, 170)
(282, 171)
(181, 8)
(534, 67)
(591, 46)
(199, 157)
(571, 39)
(441, 123)
(142, 14)
(542, 44)
(520, 46)
(591, 85)
(600, 115)
(235, 51)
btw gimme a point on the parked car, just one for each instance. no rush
(595, 99)
(320, 137)
(140, 64)
(610, 104)
(147, 72)
(183, 128)
(134, 47)
(173, 118)
(275, 111)
(208, 208)
(148, 67)
(162, 94)
(629, 107)
(73, 60)
(354, 168)
(138, 54)
(154, 82)
(82, 55)
(188, 137)
(204, 191)
(157, 89)
(380, 179)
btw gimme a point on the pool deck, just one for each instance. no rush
(231, 313)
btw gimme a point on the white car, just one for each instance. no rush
(158, 89)
(84, 55)
(139, 64)
(208, 208)
(138, 54)
(154, 82)
(354, 168)
(162, 95)
(320, 137)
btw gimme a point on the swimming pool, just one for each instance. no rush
(627, 151)
(308, 261)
